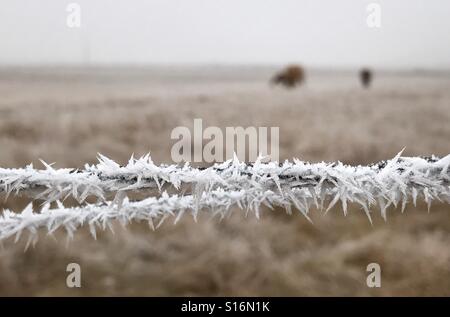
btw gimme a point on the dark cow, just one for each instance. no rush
(365, 76)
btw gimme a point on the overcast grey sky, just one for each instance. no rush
(413, 33)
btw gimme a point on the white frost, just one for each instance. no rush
(216, 189)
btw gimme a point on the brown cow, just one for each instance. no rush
(290, 76)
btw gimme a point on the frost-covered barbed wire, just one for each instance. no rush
(398, 179)
(153, 209)
(218, 188)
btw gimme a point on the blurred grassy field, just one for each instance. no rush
(68, 115)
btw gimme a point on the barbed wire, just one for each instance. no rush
(296, 184)
(153, 209)
(139, 174)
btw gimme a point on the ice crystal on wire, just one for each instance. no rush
(299, 185)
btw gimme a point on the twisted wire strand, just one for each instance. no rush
(383, 178)
(299, 185)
